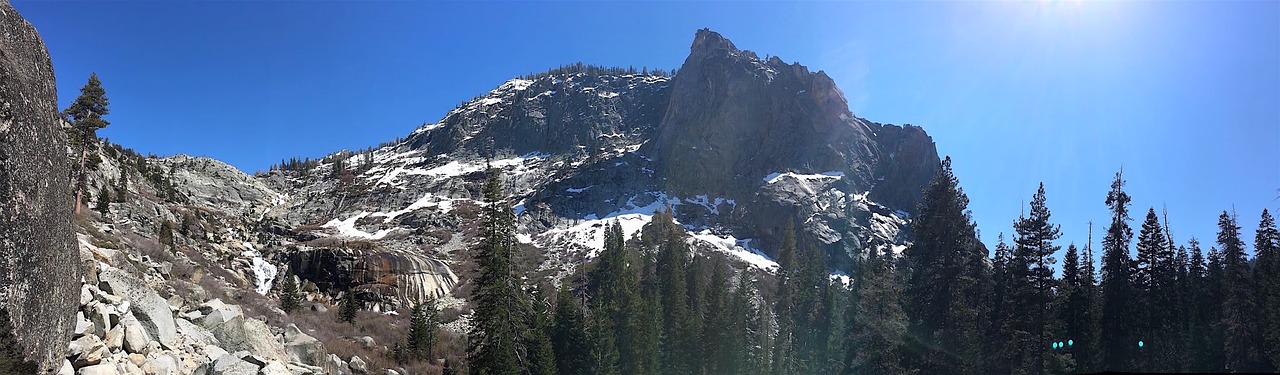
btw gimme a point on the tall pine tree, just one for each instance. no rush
(85, 115)
(1266, 244)
(1118, 343)
(1033, 255)
(1239, 322)
(944, 289)
(505, 338)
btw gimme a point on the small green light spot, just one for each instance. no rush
(1071, 342)
(1139, 343)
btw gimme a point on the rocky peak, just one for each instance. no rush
(744, 118)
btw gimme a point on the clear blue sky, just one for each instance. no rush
(1184, 95)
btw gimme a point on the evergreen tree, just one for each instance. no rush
(166, 235)
(1239, 322)
(715, 338)
(423, 325)
(347, 310)
(85, 115)
(1215, 359)
(569, 337)
(1266, 246)
(1032, 267)
(678, 347)
(784, 356)
(104, 202)
(1118, 343)
(1000, 347)
(1155, 282)
(290, 296)
(879, 324)
(944, 288)
(506, 337)
(613, 286)
(1076, 308)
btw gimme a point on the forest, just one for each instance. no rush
(651, 306)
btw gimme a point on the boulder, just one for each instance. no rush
(195, 335)
(67, 368)
(150, 309)
(40, 277)
(216, 312)
(334, 365)
(275, 368)
(128, 368)
(380, 277)
(135, 336)
(88, 350)
(83, 325)
(162, 364)
(303, 348)
(366, 342)
(357, 365)
(101, 369)
(250, 335)
(114, 338)
(231, 365)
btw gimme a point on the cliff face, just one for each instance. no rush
(38, 268)
(734, 118)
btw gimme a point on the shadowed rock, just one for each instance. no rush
(38, 263)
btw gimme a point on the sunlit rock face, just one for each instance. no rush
(381, 279)
(38, 274)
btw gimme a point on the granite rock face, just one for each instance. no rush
(39, 271)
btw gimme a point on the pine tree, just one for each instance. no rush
(1239, 308)
(1118, 343)
(1076, 308)
(85, 115)
(716, 356)
(1155, 282)
(166, 235)
(507, 337)
(1033, 255)
(423, 325)
(784, 356)
(1201, 341)
(673, 258)
(290, 296)
(879, 324)
(569, 337)
(103, 205)
(347, 310)
(944, 288)
(1266, 245)
(1000, 347)
(613, 286)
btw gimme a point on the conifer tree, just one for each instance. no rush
(879, 324)
(85, 115)
(104, 202)
(506, 337)
(290, 296)
(1076, 308)
(1201, 341)
(1033, 257)
(1266, 245)
(677, 346)
(1118, 343)
(423, 325)
(347, 310)
(1157, 288)
(944, 289)
(569, 337)
(1239, 322)
(613, 286)
(784, 356)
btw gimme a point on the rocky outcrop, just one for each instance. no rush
(381, 279)
(742, 118)
(38, 270)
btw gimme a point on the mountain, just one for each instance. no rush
(737, 146)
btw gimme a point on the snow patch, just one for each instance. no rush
(831, 175)
(738, 248)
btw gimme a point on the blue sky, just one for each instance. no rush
(1184, 95)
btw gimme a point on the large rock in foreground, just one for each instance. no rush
(38, 283)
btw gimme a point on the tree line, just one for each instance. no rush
(653, 306)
